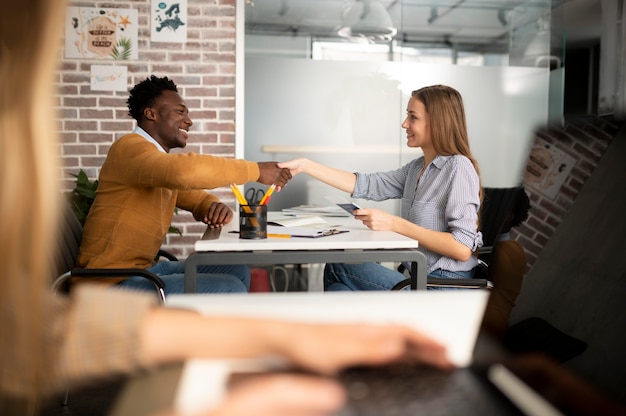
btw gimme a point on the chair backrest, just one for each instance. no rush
(70, 237)
(507, 268)
(497, 203)
(71, 234)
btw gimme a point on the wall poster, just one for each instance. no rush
(100, 33)
(169, 21)
(548, 168)
(109, 78)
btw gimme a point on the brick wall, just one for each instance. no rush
(585, 139)
(204, 70)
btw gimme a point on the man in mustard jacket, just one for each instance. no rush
(141, 183)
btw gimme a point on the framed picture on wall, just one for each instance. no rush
(101, 33)
(169, 21)
(547, 169)
(109, 78)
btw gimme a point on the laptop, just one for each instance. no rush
(483, 384)
(486, 387)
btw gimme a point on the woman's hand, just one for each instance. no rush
(295, 166)
(282, 395)
(375, 219)
(337, 178)
(320, 348)
(329, 348)
(278, 395)
(325, 349)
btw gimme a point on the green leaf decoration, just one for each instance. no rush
(175, 230)
(82, 196)
(123, 49)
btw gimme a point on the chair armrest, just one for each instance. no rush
(442, 282)
(460, 283)
(485, 250)
(168, 255)
(402, 284)
(107, 273)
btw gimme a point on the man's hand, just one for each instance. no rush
(271, 173)
(218, 215)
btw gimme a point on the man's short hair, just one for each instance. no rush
(144, 93)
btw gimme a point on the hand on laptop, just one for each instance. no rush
(282, 395)
(278, 395)
(329, 348)
(323, 349)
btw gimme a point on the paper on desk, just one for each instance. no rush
(308, 221)
(310, 227)
(306, 232)
(329, 211)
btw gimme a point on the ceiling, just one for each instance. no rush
(466, 24)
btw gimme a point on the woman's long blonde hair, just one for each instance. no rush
(448, 125)
(29, 191)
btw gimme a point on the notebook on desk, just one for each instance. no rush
(454, 318)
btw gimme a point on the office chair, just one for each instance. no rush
(496, 205)
(66, 270)
(67, 255)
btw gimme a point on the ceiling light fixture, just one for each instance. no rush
(367, 19)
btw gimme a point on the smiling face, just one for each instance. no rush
(417, 125)
(167, 121)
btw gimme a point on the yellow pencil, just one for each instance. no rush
(244, 203)
(240, 198)
(279, 235)
(268, 194)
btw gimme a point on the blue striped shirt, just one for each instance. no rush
(445, 199)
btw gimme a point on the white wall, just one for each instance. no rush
(348, 114)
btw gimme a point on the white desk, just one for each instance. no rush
(359, 245)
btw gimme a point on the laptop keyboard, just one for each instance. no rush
(401, 390)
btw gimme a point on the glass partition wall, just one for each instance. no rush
(330, 80)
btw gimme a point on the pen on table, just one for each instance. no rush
(268, 194)
(279, 235)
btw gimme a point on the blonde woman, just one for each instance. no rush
(440, 194)
(48, 343)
